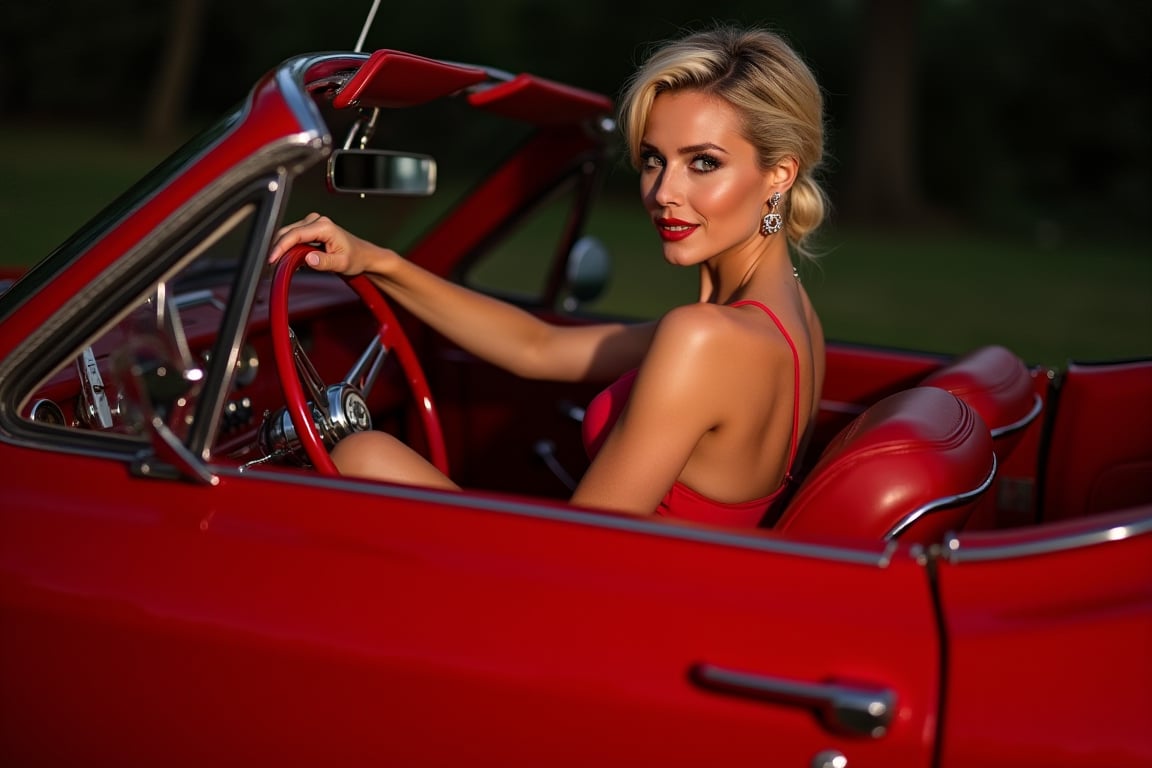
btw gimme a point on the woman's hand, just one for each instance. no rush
(337, 249)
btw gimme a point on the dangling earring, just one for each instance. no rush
(773, 221)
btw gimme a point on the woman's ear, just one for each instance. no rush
(782, 175)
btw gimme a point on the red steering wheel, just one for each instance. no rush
(323, 415)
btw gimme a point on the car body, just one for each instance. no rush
(183, 581)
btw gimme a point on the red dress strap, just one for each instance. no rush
(788, 478)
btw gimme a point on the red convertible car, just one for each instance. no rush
(962, 578)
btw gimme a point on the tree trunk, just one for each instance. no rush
(168, 101)
(882, 186)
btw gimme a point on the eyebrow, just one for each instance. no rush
(690, 149)
(694, 148)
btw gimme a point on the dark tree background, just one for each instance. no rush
(945, 113)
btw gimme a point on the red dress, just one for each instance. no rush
(681, 501)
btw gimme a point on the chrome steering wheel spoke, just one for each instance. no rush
(313, 385)
(365, 371)
(315, 417)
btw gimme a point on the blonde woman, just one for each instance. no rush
(712, 401)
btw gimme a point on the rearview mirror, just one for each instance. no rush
(381, 172)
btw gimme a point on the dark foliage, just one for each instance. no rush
(1028, 114)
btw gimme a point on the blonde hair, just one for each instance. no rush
(769, 85)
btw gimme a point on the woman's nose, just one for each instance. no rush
(665, 191)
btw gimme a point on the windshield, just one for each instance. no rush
(466, 144)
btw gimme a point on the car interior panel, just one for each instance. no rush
(1106, 405)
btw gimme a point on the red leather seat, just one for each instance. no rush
(997, 385)
(911, 466)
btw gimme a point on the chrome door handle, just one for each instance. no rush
(847, 708)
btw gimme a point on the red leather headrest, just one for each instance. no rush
(911, 466)
(995, 383)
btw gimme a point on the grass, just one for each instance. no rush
(53, 183)
(942, 292)
(945, 293)
(954, 293)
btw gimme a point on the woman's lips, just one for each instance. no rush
(672, 230)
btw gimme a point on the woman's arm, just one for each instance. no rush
(493, 330)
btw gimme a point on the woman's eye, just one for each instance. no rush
(704, 163)
(651, 160)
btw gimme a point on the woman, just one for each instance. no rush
(726, 129)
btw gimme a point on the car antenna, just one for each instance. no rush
(358, 126)
(367, 25)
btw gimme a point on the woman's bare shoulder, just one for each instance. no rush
(715, 334)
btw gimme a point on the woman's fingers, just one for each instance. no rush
(313, 228)
(335, 250)
(324, 262)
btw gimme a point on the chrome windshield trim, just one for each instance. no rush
(1008, 429)
(294, 89)
(956, 551)
(877, 554)
(942, 503)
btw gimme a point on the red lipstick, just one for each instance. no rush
(672, 230)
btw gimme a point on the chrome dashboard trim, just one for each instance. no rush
(47, 412)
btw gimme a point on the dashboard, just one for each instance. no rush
(94, 391)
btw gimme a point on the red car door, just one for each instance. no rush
(287, 619)
(1050, 645)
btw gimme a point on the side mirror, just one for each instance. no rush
(381, 172)
(588, 271)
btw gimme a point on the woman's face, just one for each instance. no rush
(700, 179)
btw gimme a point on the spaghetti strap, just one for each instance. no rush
(788, 478)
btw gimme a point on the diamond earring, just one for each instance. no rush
(772, 221)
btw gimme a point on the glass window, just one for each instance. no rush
(149, 357)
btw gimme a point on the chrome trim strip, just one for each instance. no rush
(1008, 429)
(290, 81)
(267, 195)
(954, 551)
(878, 554)
(942, 503)
(890, 552)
